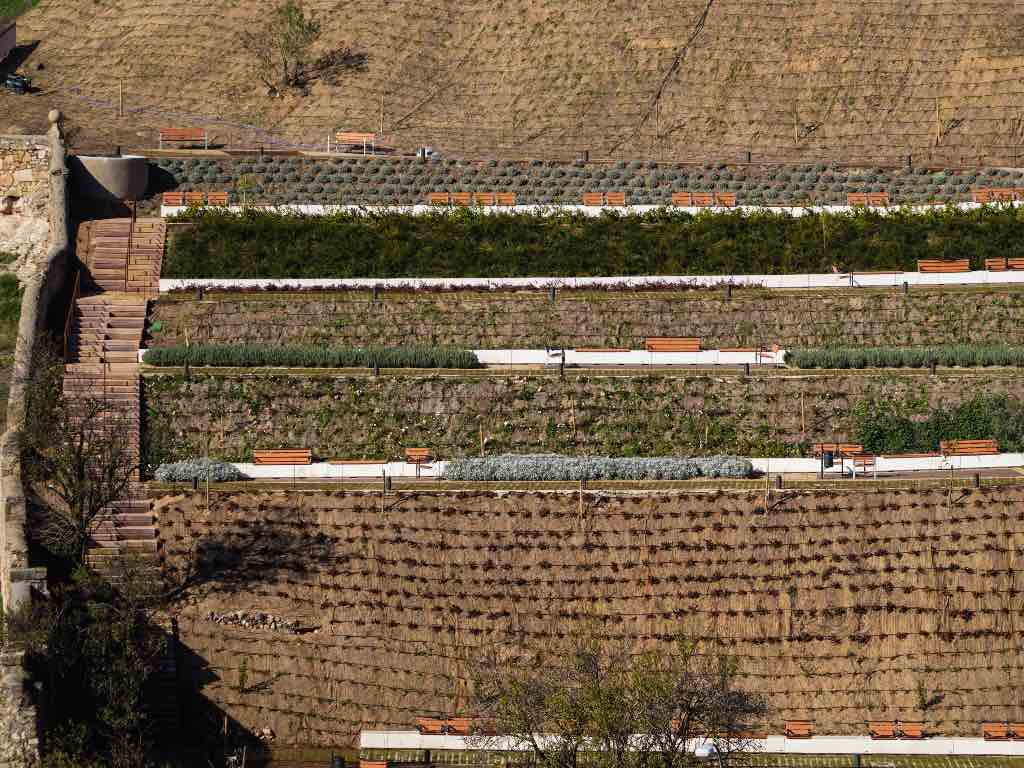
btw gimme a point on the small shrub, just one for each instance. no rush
(526, 468)
(257, 355)
(198, 469)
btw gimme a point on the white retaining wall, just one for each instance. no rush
(787, 282)
(545, 210)
(819, 745)
(324, 471)
(637, 357)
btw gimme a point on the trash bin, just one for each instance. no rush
(828, 459)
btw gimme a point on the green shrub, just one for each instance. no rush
(887, 426)
(959, 355)
(257, 355)
(464, 243)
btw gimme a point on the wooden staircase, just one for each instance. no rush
(104, 331)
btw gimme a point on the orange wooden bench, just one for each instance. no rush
(727, 199)
(373, 764)
(1004, 264)
(703, 199)
(356, 139)
(837, 449)
(216, 198)
(682, 199)
(182, 135)
(462, 198)
(174, 198)
(944, 265)
(880, 199)
(982, 195)
(505, 198)
(615, 198)
(195, 198)
(882, 729)
(969, 447)
(289, 456)
(670, 344)
(483, 198)
(910, 730)
(593, 198)
(996, 732)
(857, 198)
(863, 461)
(1003, 194)
(799, 729)
(417, 456)
(439, 198)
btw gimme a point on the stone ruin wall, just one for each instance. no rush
(24, 202)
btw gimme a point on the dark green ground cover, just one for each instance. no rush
(463, 243)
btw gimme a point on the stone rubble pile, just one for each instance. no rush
(255, 620)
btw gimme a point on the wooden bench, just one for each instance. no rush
(727, 199)
(670, 344)
(439, 198)
(593, 198)
(505, 198)
(174, 198)
(969, 447)
(483, 198)
(182, 135)
(996, 732)
(910, 730)
(289, 456)
(1002, 194)
(857, 198)
(462, 198)
(880, 199)
(460, 726)
(799, 729)
(195, 199)
(863, 461)
(882, 729)
(615, 198)
(216, 198)
(682, 199)
(355, 139)
(837, 449)
(373, 764)
(982, 195)
(943, 265)
(417, 455)
(1004, 264)
(703, 199)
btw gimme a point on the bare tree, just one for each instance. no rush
(75, 456)
(282, 48)
(601, 703)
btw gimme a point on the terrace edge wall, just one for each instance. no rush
(18, 716)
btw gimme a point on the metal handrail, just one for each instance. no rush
(75, 293)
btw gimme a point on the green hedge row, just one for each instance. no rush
(465, 243)
(883, 425)
(259, 355)
(960, 355)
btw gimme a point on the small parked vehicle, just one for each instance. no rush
(17, 83)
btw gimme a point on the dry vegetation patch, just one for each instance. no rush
(841, 606)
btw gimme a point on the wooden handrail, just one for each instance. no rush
(75, 292)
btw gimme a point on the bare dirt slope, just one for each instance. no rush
(668, 78)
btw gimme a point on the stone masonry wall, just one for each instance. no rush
(24, 202)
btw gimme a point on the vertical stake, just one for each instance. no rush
(728, 291)
(376, 292)
(120, 97)
(551, 293)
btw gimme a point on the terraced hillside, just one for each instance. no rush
(841, 606)
(669, 78)
(496, 320)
